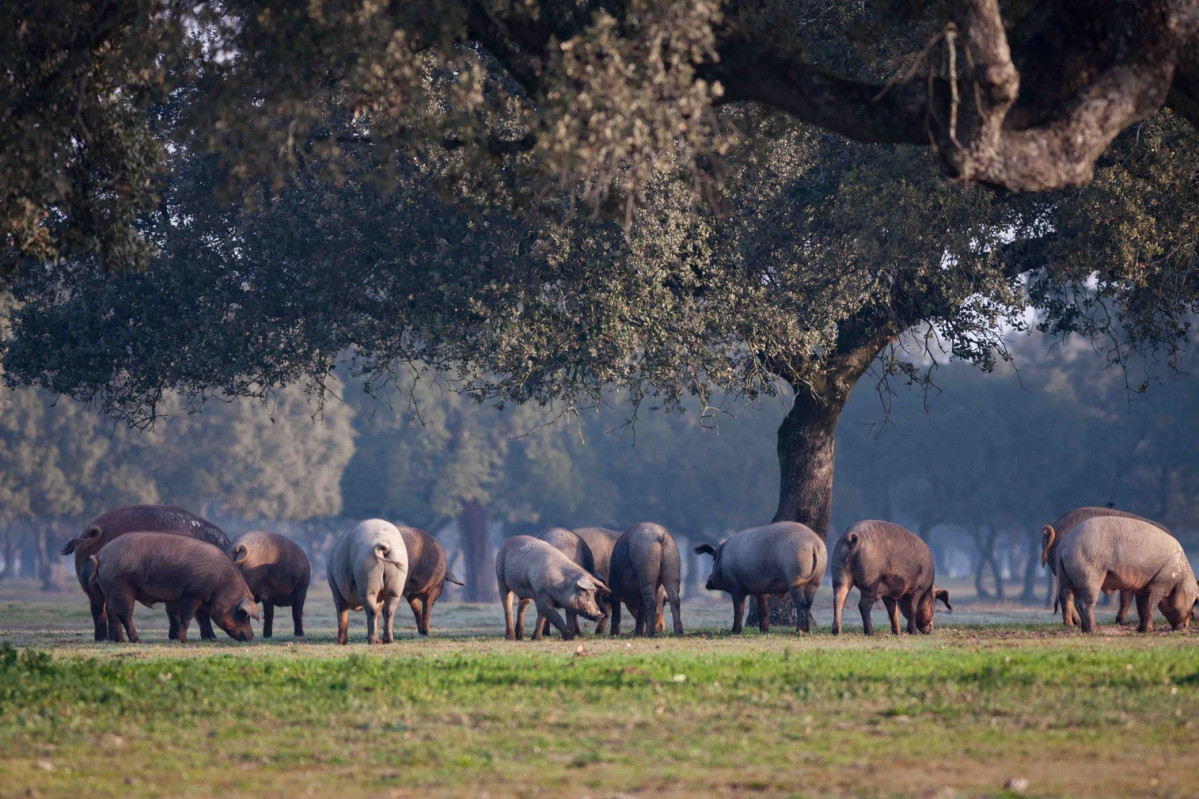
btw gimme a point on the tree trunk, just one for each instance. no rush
(476, 553)
(10, 555)
(807, 451)
(694, 580)
(45, 571)
(1031, 566)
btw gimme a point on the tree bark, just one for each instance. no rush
(476, 553)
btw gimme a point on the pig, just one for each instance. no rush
(140, 518)
(884, 559)
(1051, 539)
(277, 571)
(427, 574)
(165, 567)
(536, 572)
(784, 556)
(368, 569)
(574, 547)
(1124, 554)
(645, 560)
(601, 540)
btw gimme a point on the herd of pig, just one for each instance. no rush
(160, 553)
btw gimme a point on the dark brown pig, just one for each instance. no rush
(780, 557)
(1051, 539)
(645, 560)
(885, 560)
(277, 571)
(427, 574)
(600, 541)
(188, 574)
(140, 518)
(534, 571)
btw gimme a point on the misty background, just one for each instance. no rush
(975, 467)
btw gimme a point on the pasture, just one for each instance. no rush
(995, 697)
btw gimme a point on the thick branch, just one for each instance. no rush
(964, 113)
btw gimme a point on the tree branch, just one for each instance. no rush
(964, 113)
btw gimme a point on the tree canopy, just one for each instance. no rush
(591, 99)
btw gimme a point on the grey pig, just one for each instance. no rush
(601, 540)
(1052, 536)
(534, 571)
(776, 558)
(574, 547)
(368, 569)
(886, 560)
(278, 573)
(1120, 554)
(645, 560)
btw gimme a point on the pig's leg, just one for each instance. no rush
(522, 605)
(370, 606)
(390, 606)
(426, 607)
(800, 600)
(1144, 609)
(809, 594)
(297, 609)
(172, 609)
(840, 594)
(909, 612)
(864, 605)
(343, 616)
(676, 610)
(99, 615)
(738, 612)
(205, 624)
(892, 614)
(547, 612)
(640, 612)
(614, 620)
(1153, 598)
(1122, 613)
(763, 613)
(114, 625)
(414, 603)
(268, 619)
(1085, 597)
(1069, 612)
(187, 608)
(506, 603)
(540, 627)
(120, 614)
(572, 623)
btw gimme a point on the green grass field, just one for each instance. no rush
(465, 713)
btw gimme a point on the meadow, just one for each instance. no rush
(997, 701)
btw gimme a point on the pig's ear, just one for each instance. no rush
(249, 607)
(240, 552)
(943, 595)
(601, 589)
(705, 549)
(586, 583)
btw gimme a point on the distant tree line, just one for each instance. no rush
(996, 458)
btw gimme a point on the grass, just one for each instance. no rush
(958, 713)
